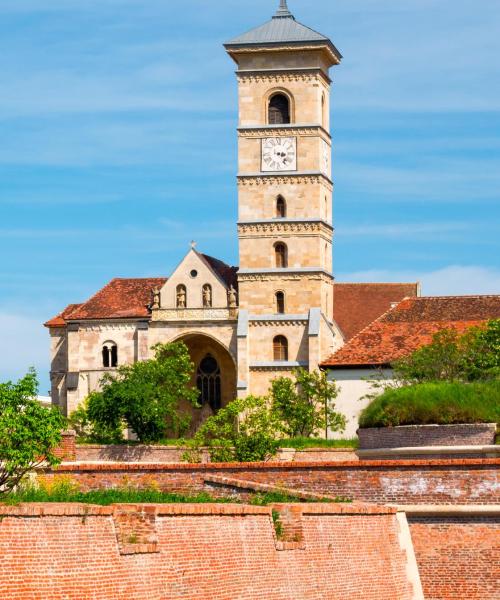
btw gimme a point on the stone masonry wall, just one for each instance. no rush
(467, 481)
(76, 552)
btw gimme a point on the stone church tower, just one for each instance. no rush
(285, 200)
(246, 325)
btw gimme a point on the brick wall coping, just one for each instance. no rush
(457, 510)
(281, 466)
(53, 509)
(171, 447)
(423, 450)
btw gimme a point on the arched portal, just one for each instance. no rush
(214, 374)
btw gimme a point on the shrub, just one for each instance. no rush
(472, 356)
(146, 396)
(304, 406)
(29, 432)
(440, 403)
(243, 431)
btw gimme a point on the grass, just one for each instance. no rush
(302, 443)
(440, 403)
(64, 490)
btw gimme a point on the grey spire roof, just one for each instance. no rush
(281, 29)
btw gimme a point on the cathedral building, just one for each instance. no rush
(280, 309)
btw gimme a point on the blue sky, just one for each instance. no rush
(118, 146)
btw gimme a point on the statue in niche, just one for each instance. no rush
(181, 297)
(232, 298)
(156, 299)
(207, 296)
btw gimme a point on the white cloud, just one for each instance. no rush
(449, 281)
(404, 230)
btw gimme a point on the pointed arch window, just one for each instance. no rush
(280, 207)
(208, 382)
(279, 110)
(281, 255)
(280, 348)
(109, 355)
(280, 303)
(181, 296)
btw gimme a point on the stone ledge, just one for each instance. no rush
(459, 510)
(434, 450)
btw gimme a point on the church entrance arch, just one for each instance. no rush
(214, 374)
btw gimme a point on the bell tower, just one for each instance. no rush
(285, 188)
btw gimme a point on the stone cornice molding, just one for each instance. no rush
(105, 325)
(298, 178)
(278, 366)
(303, 130)
(326, 47)
(297, 274)
(283, 227)
(307, 74)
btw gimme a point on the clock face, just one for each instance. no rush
(279, 154)
(326, 158)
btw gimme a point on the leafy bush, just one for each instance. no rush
(440, 403)
(304, 406)
(146, 396)
(243, 431)
(29, 432)
(472, 356)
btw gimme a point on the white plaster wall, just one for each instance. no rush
(353, 386)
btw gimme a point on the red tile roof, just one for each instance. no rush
(60, 319)
(119, 299)
(356, 305)
(410, 325)
(228, 274)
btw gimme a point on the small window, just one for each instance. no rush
(207, 296)
(181, 296)
(323, 110)
(280, 348)
(281, 255)
(280, 207)
(109, 355)
(280, 303)
(279, 110)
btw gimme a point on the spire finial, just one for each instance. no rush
(283, 11)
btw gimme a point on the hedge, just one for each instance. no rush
(440, 403)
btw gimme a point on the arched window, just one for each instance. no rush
(206, 294)
(208, 382)
(280, 207)
(279, 110)
(280, 303)
(281, 255)
(280, 348)
(109, 354)
(181, 296)
(323, 110)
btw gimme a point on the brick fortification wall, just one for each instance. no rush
(480, 434)
(468, 481)
(76, 552)
(458, 557)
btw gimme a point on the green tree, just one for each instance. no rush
(470, 356)
(29, 432)
(150, 397)
(243, 431)
(305, 406)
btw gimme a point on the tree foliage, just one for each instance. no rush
(147, 397)
(29, 432)
(243, 431)
(250, 429)
(471, 356)
(304, 406)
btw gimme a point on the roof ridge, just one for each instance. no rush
(376, 283)
(459, 296)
